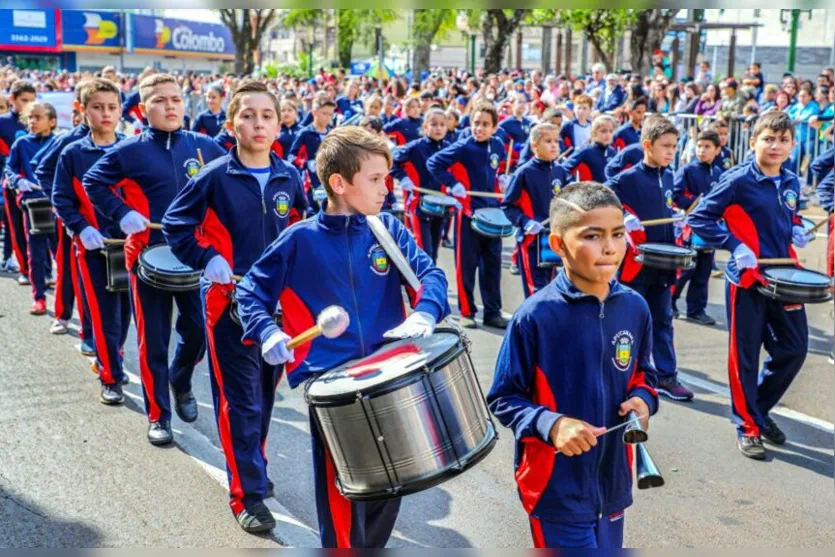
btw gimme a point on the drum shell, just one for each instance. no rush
(410, 435)
(172, 282)
(436, 210)
(666, 261)
(117, 274)
(41, 219)
(489, 228)
(794, 293)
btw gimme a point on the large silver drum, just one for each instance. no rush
(404, 419)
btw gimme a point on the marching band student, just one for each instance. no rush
(725, 158)
(624, 160)
(471, 164)
(406, 129)
(352, 164)
(68, 284)
(410, 170)
(821, 165)
(589, 162)
(306, 145)
(646, 191)
(210, 121)
(517, 127)
(551, 116)
(630, 133)
(692, 180)
(21, 94)
(759, 224)
(565, 398)
(289, 128)
(20, 176)
(213, 224)
(452, 119)
(577, 132)
(149, 169)
(350, 104)
(109, 312)
(528, 199)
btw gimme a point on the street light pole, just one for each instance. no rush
(794, 16)
(473, 54)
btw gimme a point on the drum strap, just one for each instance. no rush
(393, 251)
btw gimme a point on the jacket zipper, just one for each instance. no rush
(602, 439)
(353, 290)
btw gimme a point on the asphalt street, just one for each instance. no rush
(76, 473)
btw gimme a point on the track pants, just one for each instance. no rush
(67, 285)
(758, 321)
(345, 523)
(604, 533)
(38, 259)
(699, 278)
(427, 232)
(533, 278)
(243, 389)
(476, 252)
(15, 232)
(153, 309)
(659, 299)
(7, 232)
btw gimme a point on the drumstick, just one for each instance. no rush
(656, 222)
(36, 187)
(237, 278)
(331, 322)
(564, 153)
(200, 158)
(154, 226)
(817, 226)
(113, 241)
(470, 193)
(777, 261)
(509, 154)
(693, 205)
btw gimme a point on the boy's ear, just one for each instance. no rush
(557, 243)
(142, 110)
(229, 127)
(337, 184)
(751, 142)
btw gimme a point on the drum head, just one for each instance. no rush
(794, 275)
(161, 259)
(666, 249)
(444, 200)
(373, 373)
(492, 216)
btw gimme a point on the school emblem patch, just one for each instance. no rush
(281, 204)
(622, 343)
(192, 167)
(790, 198)
(668, 197)
(494, 161)
(379, 260)
(556, 185)
(726, 163)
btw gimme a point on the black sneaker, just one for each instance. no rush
(751, 446)
(514, 269)
(125, 379)
(186, 406)
(270, 488)
(498, 322)
(159, 433)
(256, 518)
(772, 432)
(702, 318)
(447, 243)
(111, 394)
(671, 388)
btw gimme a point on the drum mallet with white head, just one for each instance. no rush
(331, 322)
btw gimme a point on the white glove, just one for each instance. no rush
(133, 223)
(218, 270)
(744, 257)
(311, 166)
(458, 190)
(533, 227)
(678, 226)
(800, 237)
(91, 239)
(24, 185)
(504, 180)
(632, 223)
(418, 325)
(275, 350)
(406, 185)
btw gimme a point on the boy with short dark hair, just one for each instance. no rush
(758, 202)
(575, 482)
(306, 145)
(352, 165)
(630, 132)
(697, 178)
(646, 191)
(725, 159)
(577, 132)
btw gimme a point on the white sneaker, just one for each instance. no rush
(59, 327)
(23, 280)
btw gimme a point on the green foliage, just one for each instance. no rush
(602, 27)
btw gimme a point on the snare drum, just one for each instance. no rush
(793, 285)
(666, 256)
(492, 222)
(41, 219)
(159, 268)
(404, 419)
(117, 274)
(437, 205)
(546, 258)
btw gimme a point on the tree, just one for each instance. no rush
(601, 27)
(247, 27)
(497, 26)
(648, 31)
(426, 25)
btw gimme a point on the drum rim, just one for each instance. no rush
(171, 286)
(786, 282)
(648, 247)
(387, 386)
(432, 198)
(143, 263)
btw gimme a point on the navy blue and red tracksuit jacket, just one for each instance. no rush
(339, 251)
(757, 212)
(567, 135)
(48, 161)
(625, 136)
(472, 163)
(304, 149)
(624, 160)
(222, 211)
(227, 141)
(605, 363)
(452, 136)
(11, 128)
(410, 162)
(530, 191)
(647, 193)
(71, 202)
(144, 173)
(826, 196)
(404, 130)
(615, 98)
(517, 130)
(286, 138)
(527, 152)
(19, 163)
(822, 164)
(130, 109)
(590, 162)
(724, 160)
(692, 180)
(347, 107)
(208, 123)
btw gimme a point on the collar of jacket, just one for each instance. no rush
(565, 287)
(87, 143)
(654, 170)
(163, 136)
(236, 167)
(760, 177)
(340, 223)
(542, 163)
